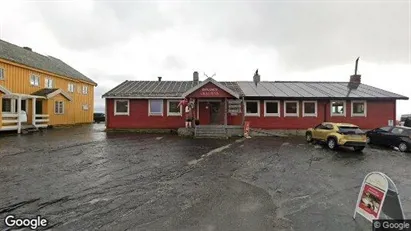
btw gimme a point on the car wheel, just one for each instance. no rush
(358, 149)
(403, 147)
(332, 143)
(309, 137)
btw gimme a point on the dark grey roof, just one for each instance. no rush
(277, 89)
(32, 59)
(44, 91)
(159, 88)
(297, 89)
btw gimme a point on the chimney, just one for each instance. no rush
(195, 77)
(159, 79)
(27, 48)
(355, 80)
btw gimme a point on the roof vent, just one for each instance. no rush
(355, 80)
(159, 79)
(256, 77)
(27, 48)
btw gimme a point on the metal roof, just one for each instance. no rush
(161, 89)
(297, 89)
(32, 59)
(44, 91)
(277, 89)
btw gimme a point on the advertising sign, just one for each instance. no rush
(247, 129)
(212, 91)
(372, 197)
(234, 106)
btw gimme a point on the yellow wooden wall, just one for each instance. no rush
(17, 80)
(1, 106)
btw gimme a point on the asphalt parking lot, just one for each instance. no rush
(83, 178)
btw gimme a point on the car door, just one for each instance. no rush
(322, 131)
(317, 131)
(379, 135)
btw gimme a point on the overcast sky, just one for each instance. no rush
(113, 41)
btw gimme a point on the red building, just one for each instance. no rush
(266, 105)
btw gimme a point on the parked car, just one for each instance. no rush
(338, 134)
(99, 117)
(405, 120)
(391, 136)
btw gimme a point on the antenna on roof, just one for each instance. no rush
(256, 77)
(209, 76)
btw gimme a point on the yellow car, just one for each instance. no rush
(338, 134)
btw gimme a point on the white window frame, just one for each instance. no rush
(62, 108)
(155, 114)
(297, 114)
(85, 90)
(47, 82)
(70, 88)
(358, 114)
(2, 75)
(315, 114)
(35, 77)
(258, 108)
(122, 113)
(345, 108)
(266, 114)
(174, 113)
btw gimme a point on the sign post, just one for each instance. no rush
(378, 195)
(234, 106)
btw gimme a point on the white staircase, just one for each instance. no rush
(210, 131)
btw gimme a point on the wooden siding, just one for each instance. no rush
(17, 80)
(1, 106)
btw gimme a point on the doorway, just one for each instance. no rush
(39, 107)
(215, 113)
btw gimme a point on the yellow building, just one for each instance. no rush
(39, 91)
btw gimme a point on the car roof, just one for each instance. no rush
(403, 127)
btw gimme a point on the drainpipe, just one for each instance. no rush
(18, 115)
(242, 123)
(325, 112)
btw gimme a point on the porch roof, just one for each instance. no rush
(51, 92)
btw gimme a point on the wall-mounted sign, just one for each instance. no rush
(234, 106)
(205, 91)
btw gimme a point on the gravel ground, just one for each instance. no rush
(85, 179)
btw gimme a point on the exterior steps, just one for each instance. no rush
(210, 131)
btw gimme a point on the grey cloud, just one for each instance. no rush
(309, 34)
(104, 24)
(173, 62)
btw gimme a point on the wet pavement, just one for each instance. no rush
(85, 179)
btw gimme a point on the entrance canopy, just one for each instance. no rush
(210, 89)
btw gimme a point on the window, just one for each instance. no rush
(58, 107)
(70, 87)
(85, 107)
(121, 107)
(48, 83)
(35, 80)
(173, 109)
(85, 90)
(337, 108)
(271, 108)
(155, 107)
(310, 108)
(383, 129)
(358, 108)
(252, 108)
(290, 108)
(325, 126)
(6, 105)
(1, 73)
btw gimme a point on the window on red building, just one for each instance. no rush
(156, 107)
(121, 107)
(338, 108)
(252, 108)
(291, 108)
(310, 108)
(358, 108)
(272, 108)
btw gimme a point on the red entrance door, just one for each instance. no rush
(210, 113)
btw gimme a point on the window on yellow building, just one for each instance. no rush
(58, 107)
(1, 73)
(85, 90)
(70, 87)
(48, 83)
(34, 80)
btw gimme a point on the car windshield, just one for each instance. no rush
(350, 130)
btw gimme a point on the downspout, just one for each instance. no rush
(325, 112)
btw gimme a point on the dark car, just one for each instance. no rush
(99, 117)
(391, 136)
